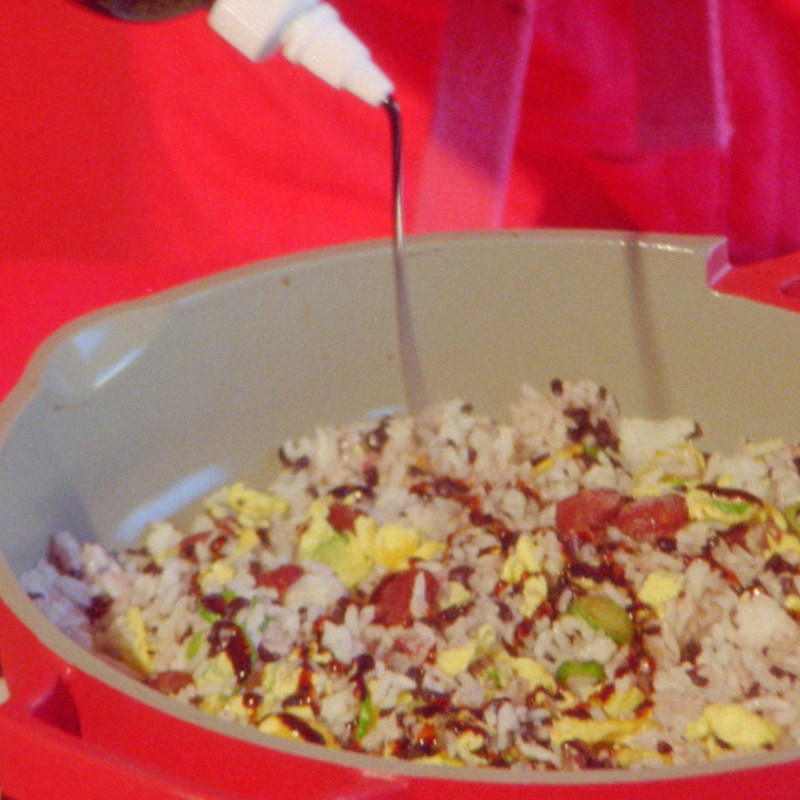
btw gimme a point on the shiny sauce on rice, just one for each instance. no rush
(573, 590)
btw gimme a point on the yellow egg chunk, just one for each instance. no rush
(530, 670)
(596, 731)
(786, 543)
(346, 555)
(623, 704)
(456, 660)
(216, 576)
(394, 545)
(248, 540)
(429, 550)
(254, 508)
(213, 703)
(282, 725)
(526, 558)
(217, 672)
(534, 593)
(734, 725)
(792, 603)
(127, 639)
(467, 744)
(279, 680)
(458, 595)
(234, 707)
(706, 507)
(161, 541)
(659, 588)
(628, 756)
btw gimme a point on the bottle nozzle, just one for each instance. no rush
(310, 33)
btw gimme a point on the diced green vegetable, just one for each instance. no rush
(738, 508)
(603, 614)
(492, 675)
(587, 673)
(365, 718)
(592, 450)
(792, 515)
(193, 645)
(207, 614)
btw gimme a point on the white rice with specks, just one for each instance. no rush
(573, 590)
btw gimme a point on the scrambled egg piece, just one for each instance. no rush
(216, 576)
(467, 744)
(247, 541)
(734, 725)
(660, 587)
(215, 674)
(126, 638)
(623, 704)
(530, 670)
(392, 545)
(526, 558)
(344, 554)
(643, 440)
(595, 731)
(458, 659)
(161, 540)
(280, 725)
(280, 680)
(704, 506)
(792, 603)
(253, 508)
(230, 706)
(787, 543)
(458, 595)
(628, 756)
(353, 556)
(534, 593)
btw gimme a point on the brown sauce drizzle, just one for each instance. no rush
(413, 381)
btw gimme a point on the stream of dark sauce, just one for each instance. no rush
(413, 381)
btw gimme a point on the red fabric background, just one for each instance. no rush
(136, 157)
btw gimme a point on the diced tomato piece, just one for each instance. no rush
(170, 681)
(653, 518)
(342, 517)
(188, 545)
(392, 597)
(281, 578)
(585, 516)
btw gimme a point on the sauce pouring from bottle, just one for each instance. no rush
(413, 380)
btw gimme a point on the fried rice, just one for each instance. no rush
(571, 590)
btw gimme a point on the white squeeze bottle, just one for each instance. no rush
(309, 33)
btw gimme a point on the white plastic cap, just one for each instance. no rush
(311, 34)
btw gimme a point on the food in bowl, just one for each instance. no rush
(572, 590)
